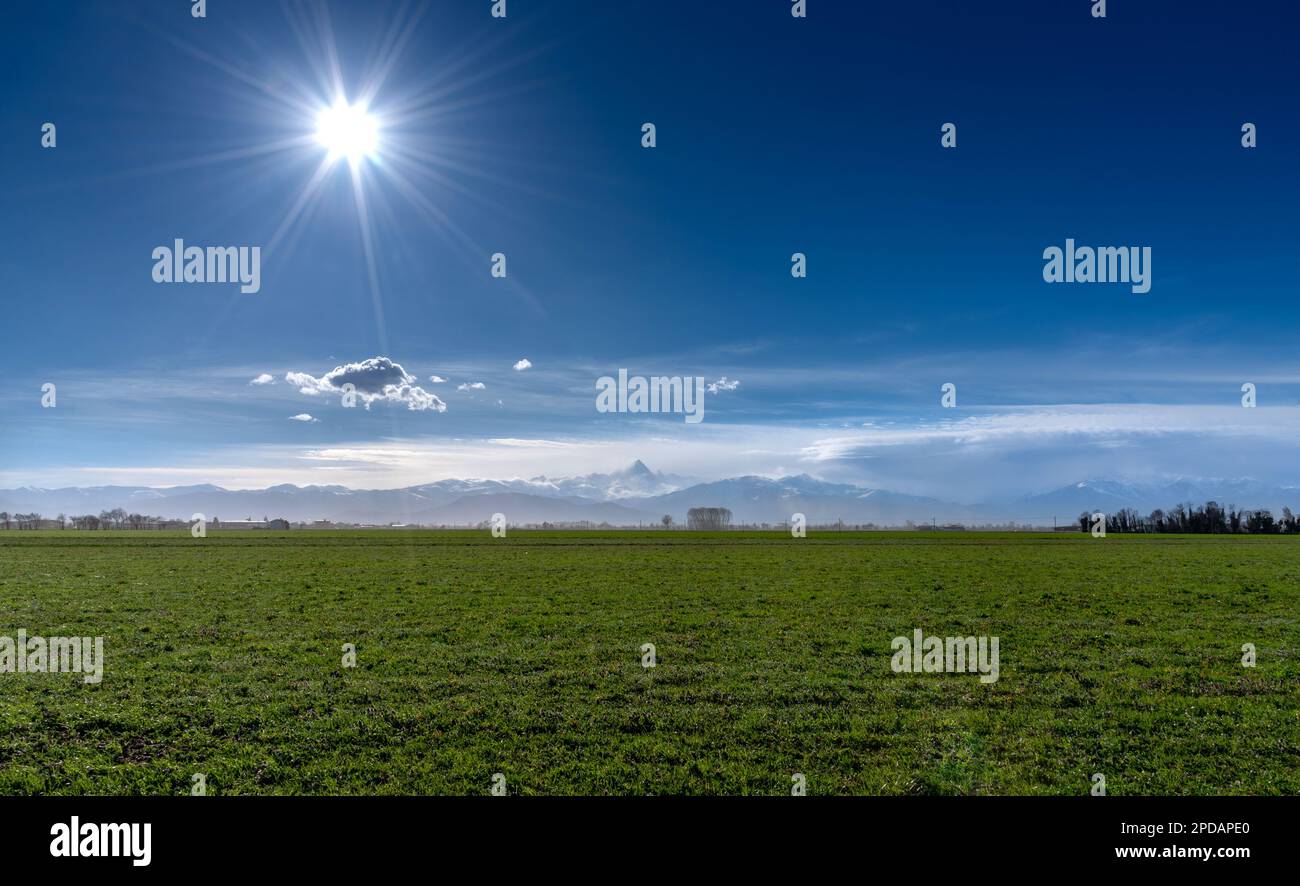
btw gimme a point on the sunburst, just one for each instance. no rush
(389, 144)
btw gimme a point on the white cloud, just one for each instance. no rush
(437, 379)
(471, 386)
(722, 384)
(978, 457)
(374, 379)
(1039, 425)
(523, 364)
(365, 455)
(263, 379)
(989, 455)
(524, 443)
(304, 417)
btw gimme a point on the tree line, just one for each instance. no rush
(20, 521)
(1210, 518)
(114, 519)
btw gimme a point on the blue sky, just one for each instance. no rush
(775, 135)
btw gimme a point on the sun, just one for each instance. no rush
(347, 131)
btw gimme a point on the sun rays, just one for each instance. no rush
(386, 129)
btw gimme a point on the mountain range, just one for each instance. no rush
(638, 495)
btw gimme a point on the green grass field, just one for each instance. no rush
(475, 655)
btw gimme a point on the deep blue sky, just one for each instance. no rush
(775, 134)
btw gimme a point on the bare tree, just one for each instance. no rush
(708, 519)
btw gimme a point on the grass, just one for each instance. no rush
(522, 656)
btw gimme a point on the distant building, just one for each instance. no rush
(277, 523)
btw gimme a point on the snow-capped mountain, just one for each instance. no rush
(638, 495)
(445, 501)
(635, 481)
(1109, 495)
